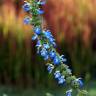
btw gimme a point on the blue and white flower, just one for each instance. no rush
(57, 74)
(50, 68)
(80, 82)
(26, 6)
(41, 2)
(37, 30)
(69, 93)
(34, 37)
(61, 80)
(49, 36)
(63, 59)
(56, 60)
(27, 20)
(52, 54)
(46, 46)
(40, 11)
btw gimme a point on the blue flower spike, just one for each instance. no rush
(46, 47)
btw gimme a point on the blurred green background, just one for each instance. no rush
(73, 24)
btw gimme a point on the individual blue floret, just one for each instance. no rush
(56, 60)
(61, 80)
(37, 30)
(50, 37)
(46, 57)
(46, 46)
(27, 20)
(40, 11)
(80, 82)
(50, 68)
(26, 6)
(34, 37)
(38, 44)
(52, 54)
(63, 59)
(44, 54)
(47, 34)
(57, 74)
(69, 93)
(41, 2)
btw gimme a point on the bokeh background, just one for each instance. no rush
(73, 24)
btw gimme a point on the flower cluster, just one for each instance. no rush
(46, 47)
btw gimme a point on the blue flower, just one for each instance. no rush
(38, 44)
(27, 20)
(34, 37)
(69, 93)
(63, 59)
(57, 74)
(37, 30)
(46, 57)
(26, 6)
(52, 54)
(49, 36)
(41, 2)
(44, 54)
(40, 12)
(56, 60)
(51, 39)
(54, 44)
(80, 82)
(61, 80)
(46, 46)
(50, 68)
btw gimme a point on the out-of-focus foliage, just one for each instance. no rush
(18, 63)
(73, 24)
(67, 18)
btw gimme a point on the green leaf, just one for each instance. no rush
(82, 93)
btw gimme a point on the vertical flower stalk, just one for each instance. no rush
(46, 47)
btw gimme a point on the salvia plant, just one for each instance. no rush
(46, 47)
